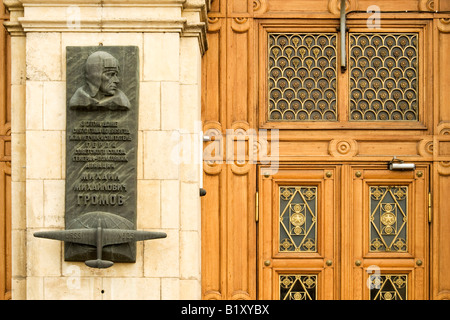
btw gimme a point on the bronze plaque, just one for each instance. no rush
(101, 145)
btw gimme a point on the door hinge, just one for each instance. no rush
(257, 207)
(430, 207)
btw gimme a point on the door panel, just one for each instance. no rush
(390, 233)
(343, 232)
(297, 228)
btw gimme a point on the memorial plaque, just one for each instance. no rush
(101, 146)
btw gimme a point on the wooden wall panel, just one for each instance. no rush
(441, 155)
(228, 209)
(5, 230)
(5, 159)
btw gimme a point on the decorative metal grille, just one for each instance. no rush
(298, 217)
(388, 218)
(383, 77)
(298, 287)
(302, 77)
(389, 287)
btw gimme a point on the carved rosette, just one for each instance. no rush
(260, 6)
(427, 5)
(341, 148)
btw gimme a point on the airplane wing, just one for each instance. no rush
(81, 236)
(118, 236)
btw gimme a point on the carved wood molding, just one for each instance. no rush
(260, 6)
(425, 147)
(240, 164)
(213, 152)
(334, 6)
(343, 148)
(428, 5)
(443, 25)
(443, 168)
(214, 24)
(240, 24)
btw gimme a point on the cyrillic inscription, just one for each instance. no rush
(101, 142)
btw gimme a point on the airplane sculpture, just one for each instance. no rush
(100, 237)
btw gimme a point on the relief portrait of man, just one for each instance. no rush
(100, 91)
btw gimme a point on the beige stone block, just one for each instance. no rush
(34, 288)
(161, 256)
(35, 203)
(44, 154)
(68, 13)
(132, 288)
(190, 166)
(161, 159)
(43, 255)
(190, 252)
(18, 204)
(190, 206)
(34, 105)
(190, 290)
(54, 210)
(170, 106)
(190, 172)
(18, 153)
(190, 61)
(44, 56)
(62, 288)
(18, 61)
(19, 253)
(54, 105)
(170, 289)
(18, 107)
(19, 288)
(150, 106)
(141, 12)
(161, 56)
(190, 108)
(148, 206)
(170, 204)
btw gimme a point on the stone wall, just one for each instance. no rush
(170, 35)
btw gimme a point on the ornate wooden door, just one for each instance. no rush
(343, 232)
(386, 234)
(339, 102)
(298, 234)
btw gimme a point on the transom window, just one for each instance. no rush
(303, 77)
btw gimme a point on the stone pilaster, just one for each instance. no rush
(171, 36)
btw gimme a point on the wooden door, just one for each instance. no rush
(387, 234)
(298, 234)
(262, 56)
(343, 232)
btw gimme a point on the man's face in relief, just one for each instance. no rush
(109, 83)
